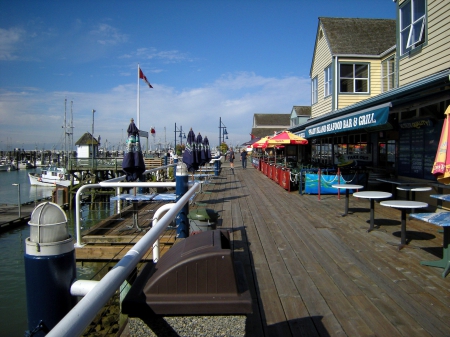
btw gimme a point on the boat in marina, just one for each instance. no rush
(50, 177)
(4, 166)
(25, 164)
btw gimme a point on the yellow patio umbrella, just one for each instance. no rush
(260, 143)
(286, 138)
(441, 167)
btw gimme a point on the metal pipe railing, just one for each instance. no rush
(108, 184)
(76, 321)
(122, 178)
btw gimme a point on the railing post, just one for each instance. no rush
(319, 183)
(339, 181)
(181, 188)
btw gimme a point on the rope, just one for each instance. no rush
(330, 181)
(295, 180)
(348, 181)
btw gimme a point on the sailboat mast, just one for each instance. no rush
(65, 132)
(71, 130)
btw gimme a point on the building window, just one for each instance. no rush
(388, 74)
(353, 78)
(412, 25)
(314, 91)
(328, 81)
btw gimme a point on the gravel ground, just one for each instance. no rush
(210, 326)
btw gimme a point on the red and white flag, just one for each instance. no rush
(141, 75)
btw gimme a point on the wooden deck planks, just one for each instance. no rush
(322, 274)
(312, 272)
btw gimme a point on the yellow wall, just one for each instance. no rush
(322, 59)
(435, 53)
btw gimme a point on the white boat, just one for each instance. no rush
(50, 177)
(4, 166)
(25, 164)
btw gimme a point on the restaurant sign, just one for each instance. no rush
(359, 120)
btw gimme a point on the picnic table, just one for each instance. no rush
(443, 220)
(135, 198)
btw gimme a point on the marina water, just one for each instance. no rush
(13, 311)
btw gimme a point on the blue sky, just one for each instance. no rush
(205, 60)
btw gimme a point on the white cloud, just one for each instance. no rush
(108, 35)
(166, 56)
(9, 39)
(31, 116)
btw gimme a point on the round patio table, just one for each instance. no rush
(403, 205)
(347, 187)
(372, 195)
(413, 189)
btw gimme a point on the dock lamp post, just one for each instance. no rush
(222, 133)
(92, 140)
(181, 135)
(19, 203)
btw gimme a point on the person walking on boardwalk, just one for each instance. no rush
(231, 154)
(244, 158)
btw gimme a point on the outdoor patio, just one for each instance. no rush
(313, 272)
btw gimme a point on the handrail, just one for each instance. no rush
(108, 184)
(122, 178)
(76, 321)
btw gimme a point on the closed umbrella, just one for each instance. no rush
(200, 150)
(189, 155)
(133, 162)
(207, 149)
(441, 166)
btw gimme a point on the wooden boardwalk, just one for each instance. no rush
(314, 273)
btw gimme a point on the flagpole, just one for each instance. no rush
(138, 101)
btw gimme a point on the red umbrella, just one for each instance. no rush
(260, 143)
(441, 167)
(286, 138)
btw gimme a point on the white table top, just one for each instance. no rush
(372, 195)
(403, 204)
(414, 188)
(348, 186)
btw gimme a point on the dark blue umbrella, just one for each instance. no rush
(200, 150)
(207, 149)
(133, 161)
(189, 155)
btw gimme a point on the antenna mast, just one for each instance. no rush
(65, 133)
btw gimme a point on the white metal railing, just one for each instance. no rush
(115, 182)
(76, 321)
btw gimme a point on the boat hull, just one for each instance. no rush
(37, 180)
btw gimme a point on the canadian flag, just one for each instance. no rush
(141, 75)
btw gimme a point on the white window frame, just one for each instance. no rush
(327, 81)
(314, 90)
(413, 30)
(387, 75)
(354, 78)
